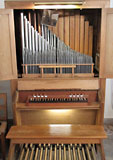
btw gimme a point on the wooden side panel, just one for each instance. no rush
(106, 54)
(8, 66)
(81, 34)
(13, 88)
(13, 84)
(100, 112)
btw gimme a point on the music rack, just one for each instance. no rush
(55, 67)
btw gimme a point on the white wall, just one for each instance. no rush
(109, 99)
(109, 92)
(1, 3)
(111, 3)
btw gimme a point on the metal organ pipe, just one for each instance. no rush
(49, 49)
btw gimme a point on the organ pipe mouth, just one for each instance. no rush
(58, 5)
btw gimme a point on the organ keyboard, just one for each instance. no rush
(60, 96)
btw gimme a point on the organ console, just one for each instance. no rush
(58, 98)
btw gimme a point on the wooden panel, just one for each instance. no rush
(8, 66)
(72, 33)
(13, 94)
(106, 53)
(81, 34)
(90, 41)
(20, 4)
(61, 25)
(86, 39)
(57, 116)
(13, 88)
(88, 83)
(49, 131)
(33, 106)
(77, 31)
(66, 29)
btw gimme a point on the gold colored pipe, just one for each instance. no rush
(31, 145)
(45, 157)
(22, 154)
(39, 145)
(89, 145)
(69, 152)
(78, 150)
(88, 153)
(64, 152)
(26, 145)
(59, 152)
(55, 153)
(50, 157)
(32, 153)
(83, 153)
(36, 154)
(74, 153)
(27, 154)
(93, 152)
(41, 152)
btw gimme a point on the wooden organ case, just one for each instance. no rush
(58, 99)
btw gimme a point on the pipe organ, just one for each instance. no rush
(58, 98)
(49, 51)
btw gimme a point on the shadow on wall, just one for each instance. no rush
(5, 87)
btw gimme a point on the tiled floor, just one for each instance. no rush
(108, 148)
(108, 143)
